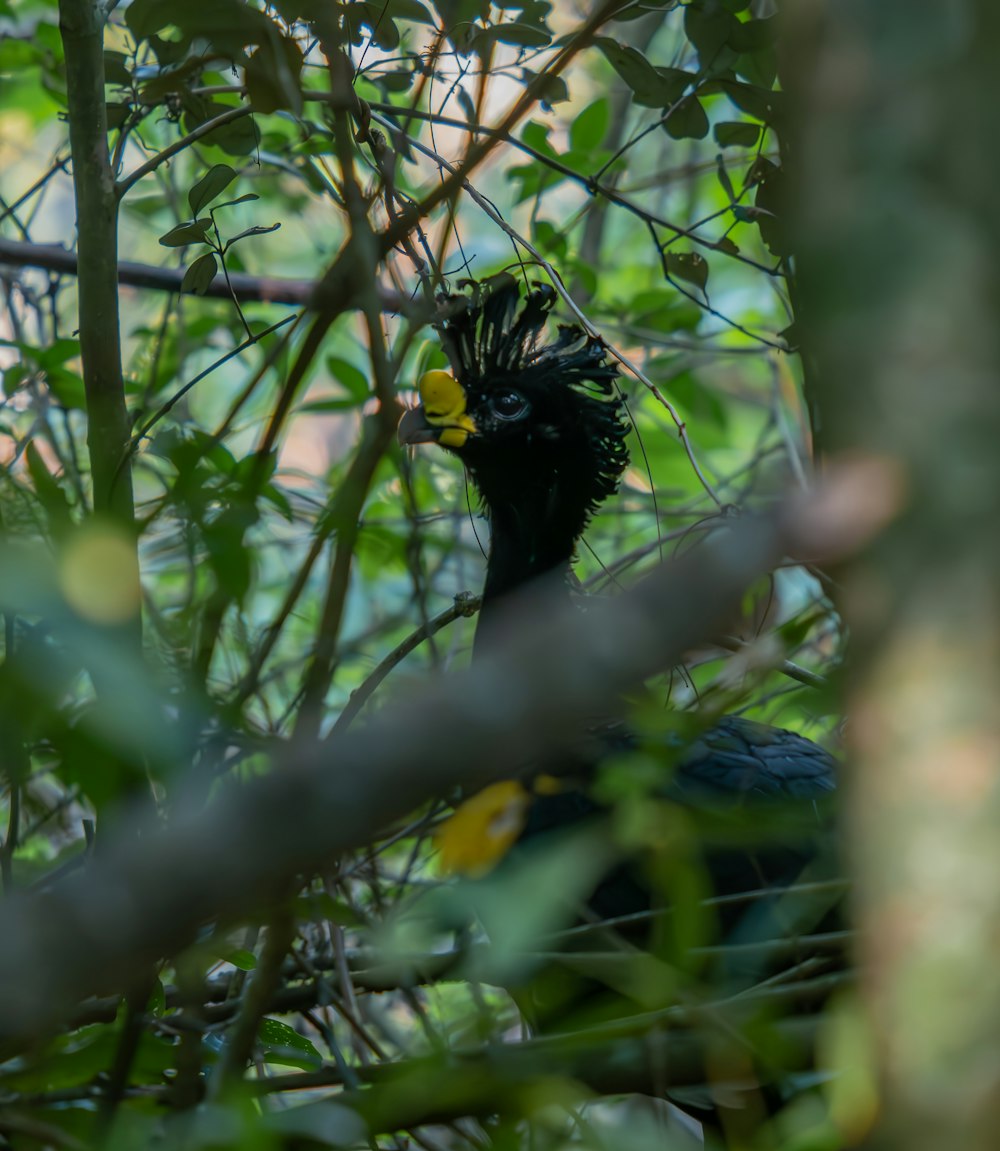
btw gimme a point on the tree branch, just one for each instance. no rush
(82, 26)
(493, 1079)
(142, 900)
(256, 289)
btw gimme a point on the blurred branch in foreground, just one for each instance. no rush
(143, 900)
(899, 258)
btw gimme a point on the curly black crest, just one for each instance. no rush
(494, 341)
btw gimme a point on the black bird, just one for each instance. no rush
(541, 432)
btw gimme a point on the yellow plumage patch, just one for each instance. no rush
(482, 830)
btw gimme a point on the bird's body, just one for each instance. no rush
(541, 431)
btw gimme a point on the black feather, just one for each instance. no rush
(493, 341)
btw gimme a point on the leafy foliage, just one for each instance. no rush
(287, 550)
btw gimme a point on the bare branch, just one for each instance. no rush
(259, 289)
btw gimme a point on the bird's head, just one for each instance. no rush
(532, 421)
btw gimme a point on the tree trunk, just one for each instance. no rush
(899, 242)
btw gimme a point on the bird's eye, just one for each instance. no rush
(509, 405)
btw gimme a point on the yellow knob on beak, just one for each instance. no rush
(441, 416)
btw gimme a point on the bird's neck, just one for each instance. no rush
(522, 549)
(533, 534)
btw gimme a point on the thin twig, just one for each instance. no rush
(128, 182)
(465, 605)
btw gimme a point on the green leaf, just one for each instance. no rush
(238, 137)
(117, 114)
(648, 86)
(688, 266)
(708, 31)
(687, 121)
(54, 355)
(677, 82)
(758, 68)
(199, 276)
(756, 101)
(753, 35)
(277, 498)
(768, 204)
(47, 488)
(521, 35)
(241, 958)
(381, 28)
(273, 76)
(68, 390)
(157, 1003)
(408, 10)
(283, 1044)
(638, 10)
(399, 80)
(588, 130)
(190, 232)
(530, 178)
(701, 403)
(736, 133)
(116, 68)
(256, 230)
(458, 18)
(724, 181)
(144, 17)
(351, 379)
(228, 556)
(379, 550)
(319, 905)
(536, 136)
(227, 25)
(85, 1054)
(551, 90)
(725, 244)
(467, 104)
(254, 466)
(794, 631)
(18, 54)
(246, 198)
(215, 181)
(550, 239)
(664, 310)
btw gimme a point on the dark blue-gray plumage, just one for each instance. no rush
(541, 430)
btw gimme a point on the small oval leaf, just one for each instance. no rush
(688, 266)
(190, 232)
(687, 121)
(199, 276)
(520, 35)
(215, 181)
(736, 133)
(283, 1044)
